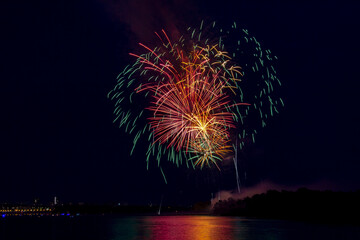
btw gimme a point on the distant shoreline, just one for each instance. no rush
(301, 205)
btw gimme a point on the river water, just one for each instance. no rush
(169, 228)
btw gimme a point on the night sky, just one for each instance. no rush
(59, 59)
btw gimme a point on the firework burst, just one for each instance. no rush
(195, 101)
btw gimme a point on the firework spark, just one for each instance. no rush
(190, 104)
(196, 98)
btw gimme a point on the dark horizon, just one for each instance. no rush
(60, 59)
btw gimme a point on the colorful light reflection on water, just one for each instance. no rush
(189, 228)
(226, 228)
(169, 228)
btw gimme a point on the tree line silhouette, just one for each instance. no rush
(303, 204)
